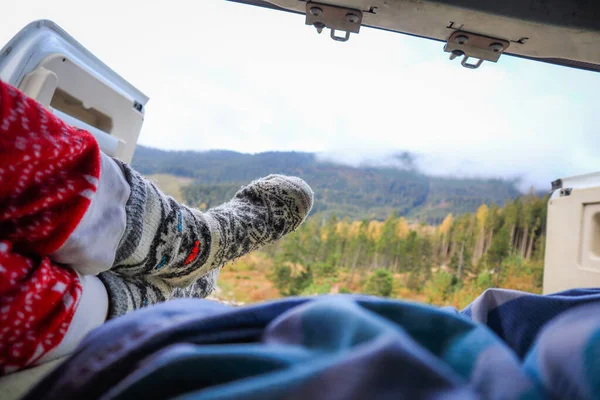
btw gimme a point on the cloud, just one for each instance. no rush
(487, 123)
(228, 76)
(436, 164)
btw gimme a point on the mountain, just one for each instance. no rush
(354, 192)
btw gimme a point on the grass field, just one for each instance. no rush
(170, 184)
(246, 281)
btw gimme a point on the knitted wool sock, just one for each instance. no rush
(130, 293)
(170, 250)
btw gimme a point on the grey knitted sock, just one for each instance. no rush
(130, 293)
(169, 250)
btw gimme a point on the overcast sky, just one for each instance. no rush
(227, 76)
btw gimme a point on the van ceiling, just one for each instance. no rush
(563, 32)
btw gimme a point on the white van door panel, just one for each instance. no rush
(573, 234)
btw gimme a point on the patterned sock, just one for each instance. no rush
(131, 293)
(169, 250)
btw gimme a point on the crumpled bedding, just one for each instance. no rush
(505, 345)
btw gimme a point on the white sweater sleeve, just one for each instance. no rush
(92, 246)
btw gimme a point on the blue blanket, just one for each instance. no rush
(505, 345)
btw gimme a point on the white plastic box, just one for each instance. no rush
(47, 64)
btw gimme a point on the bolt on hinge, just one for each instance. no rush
(472, 45)
(565, 192)
(323, 16)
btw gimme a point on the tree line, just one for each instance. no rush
(463, 248)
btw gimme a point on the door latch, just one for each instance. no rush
(335, 18)
(471, 45)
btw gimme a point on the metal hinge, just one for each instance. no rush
(335, 18)
(472, 45)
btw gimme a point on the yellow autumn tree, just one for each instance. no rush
(375, 229)
(402, 228)
(480, 218)
(444, 232)
(447, 224)
(354, 228)
(343, 228)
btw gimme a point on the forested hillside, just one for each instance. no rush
(447, 264)
(379, 231)
(344, 191)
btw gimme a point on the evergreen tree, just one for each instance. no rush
(381, 283)
(500, 248)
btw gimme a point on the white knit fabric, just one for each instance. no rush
(91, 312)
(92, 246)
